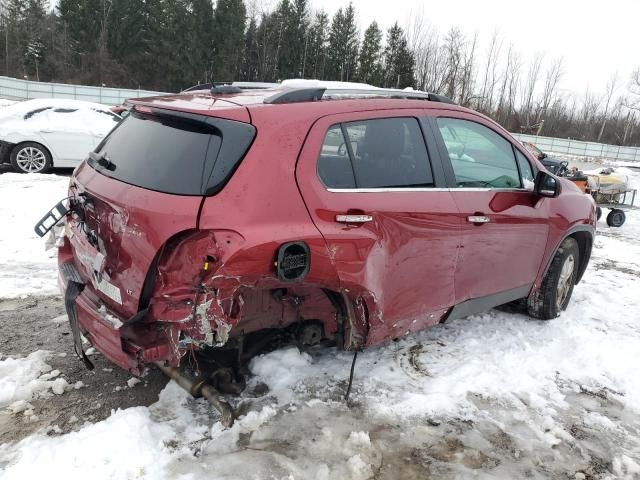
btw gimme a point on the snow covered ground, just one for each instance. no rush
(496, 395)
(25, 267)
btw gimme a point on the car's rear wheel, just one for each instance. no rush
(556, 289)
(31, 157)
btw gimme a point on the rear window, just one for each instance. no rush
(174, 153)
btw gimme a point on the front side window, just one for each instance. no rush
(479, 156)
(380, 153)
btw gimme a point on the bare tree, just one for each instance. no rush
(453, 45)
(611, 89)
(491, 78)
(530, 87)
(551, 81)
(632, 100)
(590, 107)
(424, 42)
(467, 74)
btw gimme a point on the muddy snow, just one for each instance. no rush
(496, 395)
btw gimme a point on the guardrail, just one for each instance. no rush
(16, 89)
(582, 149)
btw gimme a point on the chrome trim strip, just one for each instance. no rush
(461, 189)
(380, 190)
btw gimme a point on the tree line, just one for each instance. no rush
(169, 45)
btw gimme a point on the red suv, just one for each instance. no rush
(214, 221)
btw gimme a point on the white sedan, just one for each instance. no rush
(36, 135)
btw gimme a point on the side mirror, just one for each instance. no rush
(546, 185)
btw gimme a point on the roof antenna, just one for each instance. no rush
(353, 366)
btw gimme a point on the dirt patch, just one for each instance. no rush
(32, 324)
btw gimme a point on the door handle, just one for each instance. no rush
(353, 218)
(44, 130)
(478, 219)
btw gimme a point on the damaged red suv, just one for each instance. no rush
(214, 221)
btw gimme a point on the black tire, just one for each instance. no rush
(552, 297)
(31, 157)
(598, 212)
(616, 218)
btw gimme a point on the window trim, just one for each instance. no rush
(446, 161)
(343, 128)
(349, 147)
(533, 171)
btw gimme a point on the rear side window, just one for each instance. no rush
(380, 153)
(334, 166)
(172, 153)
(479, 156)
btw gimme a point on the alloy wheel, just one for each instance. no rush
(31, 159)
(565, 281)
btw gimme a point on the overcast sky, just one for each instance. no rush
(595, 38)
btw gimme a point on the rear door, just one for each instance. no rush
(375, 195)
(505, 225)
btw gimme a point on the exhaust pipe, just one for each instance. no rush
(199, 388)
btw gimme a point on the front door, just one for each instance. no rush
(505, 225)
(391, 229)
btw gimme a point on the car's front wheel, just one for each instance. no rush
(31, 157)
(556, 289)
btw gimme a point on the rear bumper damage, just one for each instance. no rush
(100, 328)
(224, 314)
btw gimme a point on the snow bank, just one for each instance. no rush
(5, 102)
(22, 379)
(129, 444)
(26, 268)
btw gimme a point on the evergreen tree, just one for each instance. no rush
(317, 45)
(228, 35)
(125, 32)
(283, 27)
(200, 53)
(398, 60)
(266, 41)
(250, 57)
(80, 20)
(343, 45)
(298, 31)
(33, 25)
(15, 37)
(370, 60)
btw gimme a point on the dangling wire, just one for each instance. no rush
(353, 366)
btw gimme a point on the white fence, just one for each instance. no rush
(582, 149)
(15, 89)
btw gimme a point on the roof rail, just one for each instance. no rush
(242, 85)
(294, 95)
